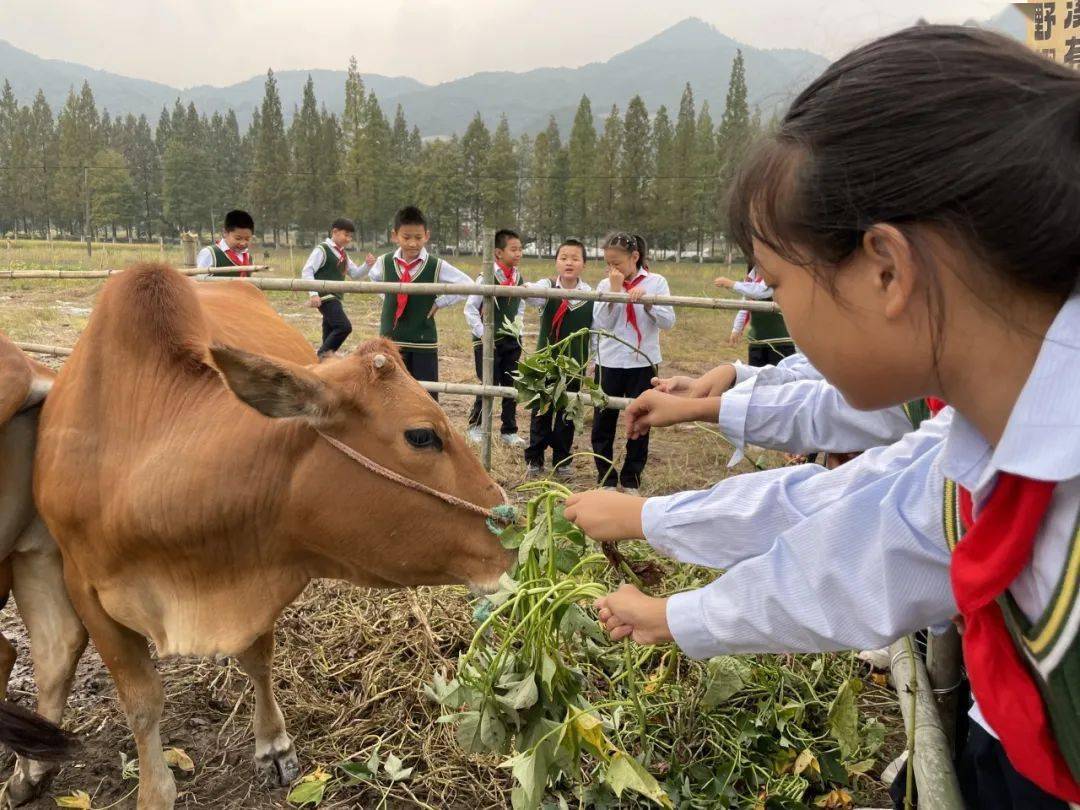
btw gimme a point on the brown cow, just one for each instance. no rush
(30, 564)
(190, 518)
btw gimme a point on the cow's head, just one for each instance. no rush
(370, 529)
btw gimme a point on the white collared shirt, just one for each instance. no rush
(315, 261)
(446, 273)
(474, 317)
(611, 317)
(205, 259)
(856, 557)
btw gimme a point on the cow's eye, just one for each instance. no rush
(423, 438)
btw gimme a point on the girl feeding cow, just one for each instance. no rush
(914, 215)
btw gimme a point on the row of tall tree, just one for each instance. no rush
(86, 173)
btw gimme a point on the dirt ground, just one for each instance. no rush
(351, 663)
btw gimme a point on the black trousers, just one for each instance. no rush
(990, 782)
(423, 365)
(507, 354)
(336, 326)
(766, 354)
(551, 429)
(619, 382)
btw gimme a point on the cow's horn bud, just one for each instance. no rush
(379, 360)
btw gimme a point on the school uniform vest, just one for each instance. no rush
(1051, 645)
(578, 316)
(333, 268)
(768, 326)
(506, 312)
(917, 411)
(222, 260)
(414, 329)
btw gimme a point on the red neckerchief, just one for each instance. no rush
(995, 549)
(240, 260)
(507, 279)
(935, 405)
(405, 270)
(560, 313)
(631, 315)
(343, 260)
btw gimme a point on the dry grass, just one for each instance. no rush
(351, 663)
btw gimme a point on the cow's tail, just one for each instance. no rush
(31, 735)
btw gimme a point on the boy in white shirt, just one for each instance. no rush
(231, 250)
(329, 262)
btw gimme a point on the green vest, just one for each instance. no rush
(331, 269)
(414, 329)
(578, 316)
(506, 312)
(768, 326)
(1054, 636)
(222, 260)
(917, 412)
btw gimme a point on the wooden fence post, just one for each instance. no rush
(943, 659)
(187, 240)
(488, 343)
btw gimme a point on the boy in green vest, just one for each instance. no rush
(329, 262)
(231, 250)
(768, 336)
(559, 318)
(409, 320)
(508, 249)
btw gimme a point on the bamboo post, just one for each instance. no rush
(931, 759)
(488, 349)
(86, 275)
(187, 241)
(943, 660)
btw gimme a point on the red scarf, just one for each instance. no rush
(507, 279)
(343, 260)
(239, 259)
(631, 314)
(405, 270)
(992, 554)
(560, 313)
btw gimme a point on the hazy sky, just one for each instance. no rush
(223, 41)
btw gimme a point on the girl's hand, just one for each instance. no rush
(723, 281)
(629, 612)
(635, 296)
(615, 279)
(369, 259)
(606, 516)
(657, 409)
(734, 339)
(678, 385)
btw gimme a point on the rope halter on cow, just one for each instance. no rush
(497, 517)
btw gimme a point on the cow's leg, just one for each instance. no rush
(275, 757)
(57, 641)
(127, 655)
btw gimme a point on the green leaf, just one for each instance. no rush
(356, 771)
(843, 717)
(393, 768)
(626, 773)
(873, 734)
(310, 789)
(547, 670)
(520, 695)
(530, 771)
(723, 680)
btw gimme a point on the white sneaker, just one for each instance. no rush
(631, 491)
(474, 434)
(512, 440)
(533, 471)
(877, 659)
(564, 472)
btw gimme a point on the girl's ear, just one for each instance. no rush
(892, 263)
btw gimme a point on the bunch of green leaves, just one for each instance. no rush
(604, 724)
(545, 378)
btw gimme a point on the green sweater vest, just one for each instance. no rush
(223, 265)
(331, 269)
(578, 316)
(414, 329)
(506, 312)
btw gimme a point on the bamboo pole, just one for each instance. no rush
(413, 288)
(82, 275)
(943, 660)
(931, 760)
(487, 359)
(454, 389)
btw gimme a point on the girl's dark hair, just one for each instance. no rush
(574, 243)
(629, 242)
(948, 126)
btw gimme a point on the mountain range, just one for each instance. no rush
(691, 51)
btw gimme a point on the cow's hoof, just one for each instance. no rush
(27, 783)
(278, 766)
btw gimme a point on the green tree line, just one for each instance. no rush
(83, 173)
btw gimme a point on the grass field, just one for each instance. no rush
(351, 663)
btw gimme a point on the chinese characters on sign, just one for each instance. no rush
(1053, 30)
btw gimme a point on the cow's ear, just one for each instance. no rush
(272, 387)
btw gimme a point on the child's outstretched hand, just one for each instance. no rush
(636, 294)
(629, 612)
(369, 259)
(606, 516)
(656, 409)
(314, 301)
(724, 281)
